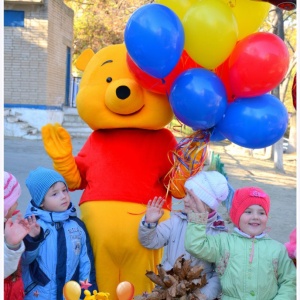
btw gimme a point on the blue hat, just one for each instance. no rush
(39, 182)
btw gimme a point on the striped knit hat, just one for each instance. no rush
(12, 191)
(39, 182)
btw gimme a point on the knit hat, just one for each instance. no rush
(245, 197)
(39, 182)
(12, 191)
(210, 186)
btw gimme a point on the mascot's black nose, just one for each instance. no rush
(123, 92)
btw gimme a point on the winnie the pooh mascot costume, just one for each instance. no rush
(121, 166)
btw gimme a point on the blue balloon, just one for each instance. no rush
(154, 38)
(255, 122)
(198, 98)
(216, 136)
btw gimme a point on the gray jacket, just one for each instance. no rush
(171, 233)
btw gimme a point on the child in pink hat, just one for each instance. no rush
(250, 264)
(14, 232)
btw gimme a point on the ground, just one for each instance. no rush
(245, 170)
(21, 156)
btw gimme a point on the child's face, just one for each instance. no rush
(186, 202)
(57, 198)
(253, 221)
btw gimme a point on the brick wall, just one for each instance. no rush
(60, 36)
(35, 55)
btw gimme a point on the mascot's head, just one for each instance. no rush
(110, 97)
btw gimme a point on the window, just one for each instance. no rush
(14, 18)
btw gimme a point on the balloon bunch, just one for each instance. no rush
(215, 68)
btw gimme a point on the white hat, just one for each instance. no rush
(211, 187)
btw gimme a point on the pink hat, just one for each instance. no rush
(12, 191)
(245, 197)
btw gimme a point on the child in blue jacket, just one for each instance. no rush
(58, 246)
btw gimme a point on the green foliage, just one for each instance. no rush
(98, 24)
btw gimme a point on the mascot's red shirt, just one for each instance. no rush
(126, 165)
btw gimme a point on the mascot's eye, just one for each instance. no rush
(108, 79)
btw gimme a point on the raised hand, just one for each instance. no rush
(58, 145)
(35, 228)
(154, 209)
(16, 230)
(57, 141)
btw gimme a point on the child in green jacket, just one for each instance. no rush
(250, 264)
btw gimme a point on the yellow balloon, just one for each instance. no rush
(72, 290)
(210, 31)
(179, 7)
(249, 15)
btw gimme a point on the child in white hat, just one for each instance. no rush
(212, 187)
(14, 232)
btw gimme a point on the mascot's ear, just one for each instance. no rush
(84, 59)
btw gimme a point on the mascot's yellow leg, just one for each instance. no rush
(113, 230)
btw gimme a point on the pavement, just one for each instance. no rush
(22, 155)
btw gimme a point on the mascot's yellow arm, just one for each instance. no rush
(57, 143)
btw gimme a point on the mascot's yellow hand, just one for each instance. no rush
(58, 145)
(57, 141)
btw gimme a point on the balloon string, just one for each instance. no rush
(187, 159)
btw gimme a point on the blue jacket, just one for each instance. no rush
(44, 272)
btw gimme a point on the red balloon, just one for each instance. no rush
(161, 86)
(222, 71)
(125, 290)
(257, 64)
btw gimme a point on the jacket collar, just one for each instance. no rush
(249, 236)
(48, 216)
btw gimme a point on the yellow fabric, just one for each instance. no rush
(84, 59)
(118, 253)
(58, 145)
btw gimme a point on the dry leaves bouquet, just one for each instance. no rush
(181, 282)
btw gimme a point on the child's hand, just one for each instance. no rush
(196, 204)
(154, 210)
(15, 231)
(35, 228)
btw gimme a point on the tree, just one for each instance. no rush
(100, 23)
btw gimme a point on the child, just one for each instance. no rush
(212, 187)
(14, 232)
(58, 247)
(251, 265)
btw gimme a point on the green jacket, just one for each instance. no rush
(249, 268)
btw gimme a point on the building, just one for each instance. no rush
(38, 38)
